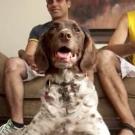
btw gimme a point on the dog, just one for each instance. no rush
(67, 55)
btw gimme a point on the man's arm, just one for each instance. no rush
(29, 53)
(121, 33)
(122, 50)
(117, 42)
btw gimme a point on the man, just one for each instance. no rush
(109, 65)
(17, 70)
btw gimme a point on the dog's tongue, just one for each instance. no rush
(66, 56)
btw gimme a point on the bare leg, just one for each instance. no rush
(15, 70)
(108, 65)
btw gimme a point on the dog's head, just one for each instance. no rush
(64, 46)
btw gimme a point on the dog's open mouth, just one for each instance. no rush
(64, 54)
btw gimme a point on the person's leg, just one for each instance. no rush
(108, 67)
(15, 72)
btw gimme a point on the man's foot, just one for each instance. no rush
(8, 128)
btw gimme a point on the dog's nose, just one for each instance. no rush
(65, 35)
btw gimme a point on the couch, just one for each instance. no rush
(32, 98)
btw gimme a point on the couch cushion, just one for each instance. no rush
(130, 86)
(33, 88)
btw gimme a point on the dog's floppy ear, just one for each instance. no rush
(41, 59)
(88, 60)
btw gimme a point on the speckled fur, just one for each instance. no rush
(69, 99)
(68, 108)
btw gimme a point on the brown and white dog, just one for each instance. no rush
(69, 99)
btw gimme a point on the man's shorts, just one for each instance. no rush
(127, 69)
(32, 74)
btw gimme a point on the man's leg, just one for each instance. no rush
(15, 71)
(108, 67)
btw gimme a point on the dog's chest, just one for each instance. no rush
(69, 93)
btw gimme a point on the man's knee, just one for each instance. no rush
(105, 56)
(106, 60)
(14, 64)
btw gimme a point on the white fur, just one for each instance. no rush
(77, 116)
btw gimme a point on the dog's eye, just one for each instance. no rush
(76, 28)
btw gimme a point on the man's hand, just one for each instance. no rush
(28, 58)
(31, 62)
